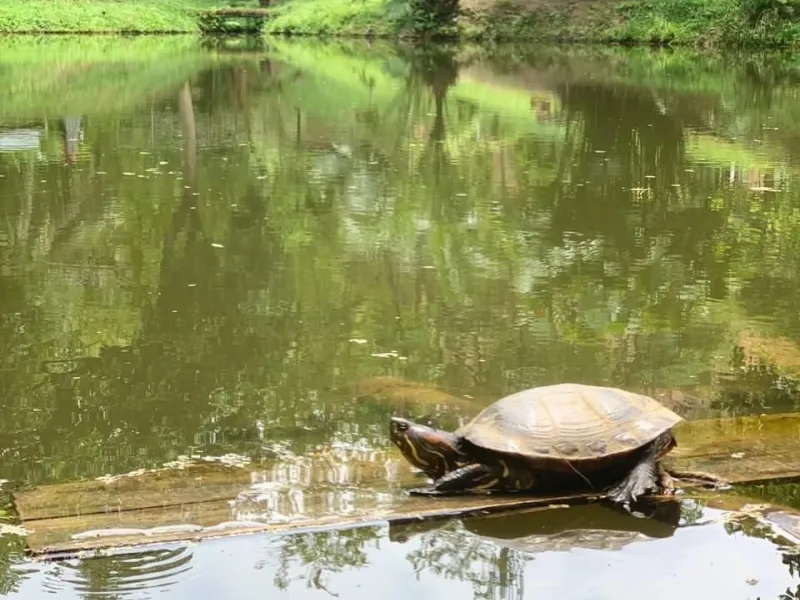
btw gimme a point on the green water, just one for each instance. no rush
(209, 251)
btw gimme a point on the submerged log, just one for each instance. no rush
(748, 449)
(340, 486)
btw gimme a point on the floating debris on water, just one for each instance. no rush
(111, 532)
(179, 528)
(136, 532)
(13, 530)
(233, 525)
(231, 460)
(392, 354)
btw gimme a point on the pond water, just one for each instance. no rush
(587, 553)
(264, 251)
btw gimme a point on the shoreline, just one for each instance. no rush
(644, 23)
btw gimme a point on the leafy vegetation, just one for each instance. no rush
(428, 17)
(675, 22)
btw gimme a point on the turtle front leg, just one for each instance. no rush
(471, 478)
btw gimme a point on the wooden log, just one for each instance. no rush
(139, 490)
(339, 486)
(403, 394)
(747, 449)
(411, 510)
(414, 513)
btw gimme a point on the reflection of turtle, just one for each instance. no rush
(592, 526)
(548, 439)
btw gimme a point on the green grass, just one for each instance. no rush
(299, 17)
(333, 17)
(145, 16)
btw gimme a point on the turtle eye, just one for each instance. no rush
(402, 426)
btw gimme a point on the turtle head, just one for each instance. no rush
(434, 451)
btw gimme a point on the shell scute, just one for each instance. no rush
(570, 421)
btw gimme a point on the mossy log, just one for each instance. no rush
(338, 487)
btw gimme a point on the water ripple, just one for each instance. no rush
(122, 574)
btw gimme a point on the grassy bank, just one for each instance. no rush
(101, 16)
(679, 22)
(335, 17)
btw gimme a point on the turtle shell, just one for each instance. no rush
(569, 421)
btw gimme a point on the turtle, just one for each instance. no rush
(552, 438)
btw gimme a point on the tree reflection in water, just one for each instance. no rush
(491, 552)
(322, 554)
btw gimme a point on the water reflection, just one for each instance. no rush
(491, 552)
(218, 244)
(208, 251)
(120, 575)
(678, 547)
(599, 526)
